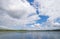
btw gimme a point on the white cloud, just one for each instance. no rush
(50, 8)
(16, 12)
(17, 8)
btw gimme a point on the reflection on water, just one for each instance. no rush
(30, 35)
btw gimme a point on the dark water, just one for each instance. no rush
(30, 35)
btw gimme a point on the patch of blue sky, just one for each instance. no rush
(43, 19)
(30, 1)
(57, 20)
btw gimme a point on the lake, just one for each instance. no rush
(30, 35)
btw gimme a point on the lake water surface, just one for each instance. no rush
(30, 35)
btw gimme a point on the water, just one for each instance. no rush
(30, 35)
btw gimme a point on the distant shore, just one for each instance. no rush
(30, 30)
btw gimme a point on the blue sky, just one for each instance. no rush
(43, 18)
(29, 14)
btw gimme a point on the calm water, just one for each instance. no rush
(30, 35)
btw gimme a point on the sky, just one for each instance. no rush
(30, 14)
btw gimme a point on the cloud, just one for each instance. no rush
(50, 8)
(17, 8)
(16, 12)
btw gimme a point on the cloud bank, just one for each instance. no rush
(16, 14)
